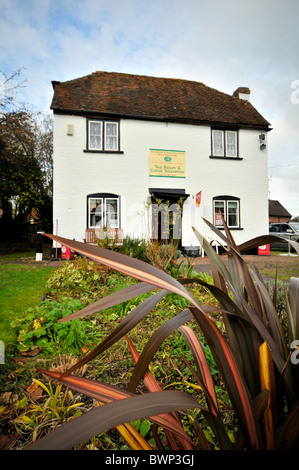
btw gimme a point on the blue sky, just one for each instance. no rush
(222, 43)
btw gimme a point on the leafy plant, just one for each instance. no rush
(40, 330)
(77, 278)
(134, 248)
(180, 269)
(251, 355)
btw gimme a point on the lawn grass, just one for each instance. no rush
(21, 287)
(286, 266)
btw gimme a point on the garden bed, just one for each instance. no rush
(32, 406)
(71, 286)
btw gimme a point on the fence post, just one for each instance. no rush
(39, 251)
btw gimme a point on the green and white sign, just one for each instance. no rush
(167, 163)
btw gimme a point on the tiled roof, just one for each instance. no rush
(275, 208)
(144, 97)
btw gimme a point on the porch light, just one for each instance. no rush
(262, 138)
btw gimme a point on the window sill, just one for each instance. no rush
(102, 151)
(231, 228)
(226, 158)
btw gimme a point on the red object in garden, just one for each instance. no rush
(264, 250)
(67, 253)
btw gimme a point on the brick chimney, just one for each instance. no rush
(243, 93)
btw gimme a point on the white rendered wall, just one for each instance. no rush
(78, 173)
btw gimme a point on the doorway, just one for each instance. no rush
(167, 214)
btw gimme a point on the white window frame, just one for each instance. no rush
(237, 213)
(106, 217)
(106, 135)
(218, 221)
(90, 200)
(225, 152)
(104, 212)
(214, 151)
(103, 147)
(226, 214)
(100, 123)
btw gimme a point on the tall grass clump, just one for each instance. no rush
(254, 355)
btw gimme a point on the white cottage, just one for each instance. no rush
(126, 146)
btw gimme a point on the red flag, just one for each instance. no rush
(198, 199)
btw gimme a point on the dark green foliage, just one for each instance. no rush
(40, 329)
(134, 248)
(26, 171)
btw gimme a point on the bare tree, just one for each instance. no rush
(26, 147)
(9, 87)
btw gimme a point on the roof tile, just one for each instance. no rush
(277, 209)
(144, 96)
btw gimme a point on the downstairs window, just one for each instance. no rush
(229, 207)
(103, 211)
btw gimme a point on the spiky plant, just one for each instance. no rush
(252, 356)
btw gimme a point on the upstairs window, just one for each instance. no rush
(95, 141)
(224, 143)
(229, 207)
(102, 136)
(111, 135)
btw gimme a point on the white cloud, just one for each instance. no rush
(223, 44)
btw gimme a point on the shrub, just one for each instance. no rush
(161, 254)
(249, 350)
(134, 248)
(78, 278)
(39, 330)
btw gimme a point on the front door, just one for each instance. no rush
(167, 221)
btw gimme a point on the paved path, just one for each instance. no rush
(202, 264)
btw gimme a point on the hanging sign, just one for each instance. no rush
(167, 163)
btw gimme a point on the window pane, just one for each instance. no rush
(233, 213)
(95, 212)
(218, 143)
(219, 208)
(95, 135)
(112, 213)
(111, 136)
(96, 220)
(231, 144)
